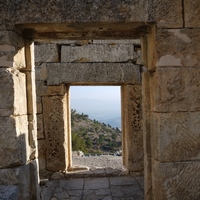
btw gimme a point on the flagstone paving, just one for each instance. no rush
(94, 188)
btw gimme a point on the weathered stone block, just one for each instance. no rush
(42, 154)
(166, 14)
(176, 136)
(175, 89)
(70, 11)
(10, 192)
(178, 47)
(130, 41)
(24, 177)
(180, 180)
(98, 53)
(14, 134)
(39, 105)
(191, 11)
(41, 72)
(12, 53)
(46, 53)
(44, 90)
(12, 93)
(89, 73)
(132, 127)
(55, 132)
(40, 128)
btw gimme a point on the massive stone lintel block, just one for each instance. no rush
(166, 14)
(72, 11)
(55, 132)
(175, 89)
(14, 141)
(175, 136)
(93, 73)
(191, 11)
(12, 93)
(98, 53)
(132, 128)
(177, 47)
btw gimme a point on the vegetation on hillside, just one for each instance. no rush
(91, 136)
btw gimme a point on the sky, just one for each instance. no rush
(95, 92)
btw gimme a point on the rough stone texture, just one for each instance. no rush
(43, 90)
(176, 136)
(39, 105)
(180, 180)
(93, 188)
(71, 11)
(12, 52)
(12, 93)
(42, 154)
(132, 127)
(191, 11)
(10, 192)
(98, 53)
(25, 177)
(177, 89)
(41, 71)
(178, 47)
(46, 53)
(14, 148)
(55, 132)
(40, 128)
(131, 41)
(88, 73)
(166, 14)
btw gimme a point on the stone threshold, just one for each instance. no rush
(82, 172)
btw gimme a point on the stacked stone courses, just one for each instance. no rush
(168, 127)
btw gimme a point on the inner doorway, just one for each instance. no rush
(96, 127)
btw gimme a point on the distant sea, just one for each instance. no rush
(107, 111)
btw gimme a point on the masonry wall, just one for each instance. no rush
(64, 63)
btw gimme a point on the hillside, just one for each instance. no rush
(91, 136)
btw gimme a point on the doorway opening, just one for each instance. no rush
(96, 134)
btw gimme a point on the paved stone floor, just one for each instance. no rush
(94, 188)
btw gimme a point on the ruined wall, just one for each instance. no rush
(100, 62)
(170, 32)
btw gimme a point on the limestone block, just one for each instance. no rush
(70, 11)
(46, 53)
(166, 14)
(40, 129)
(14, 134)
(12, 51)
(10, 192)
(176, 136)
(44, 90)
(97, 53)
(175, 89)
(41, 72)
(25, 177)
(180, 180)
(191, 11)
(39, 105)
(42, 154)
(12, 93)
(178, 47)
(88, 73)
(54, 116)
(132, 127)
(128, 41)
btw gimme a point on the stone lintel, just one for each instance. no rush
(93, 73)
